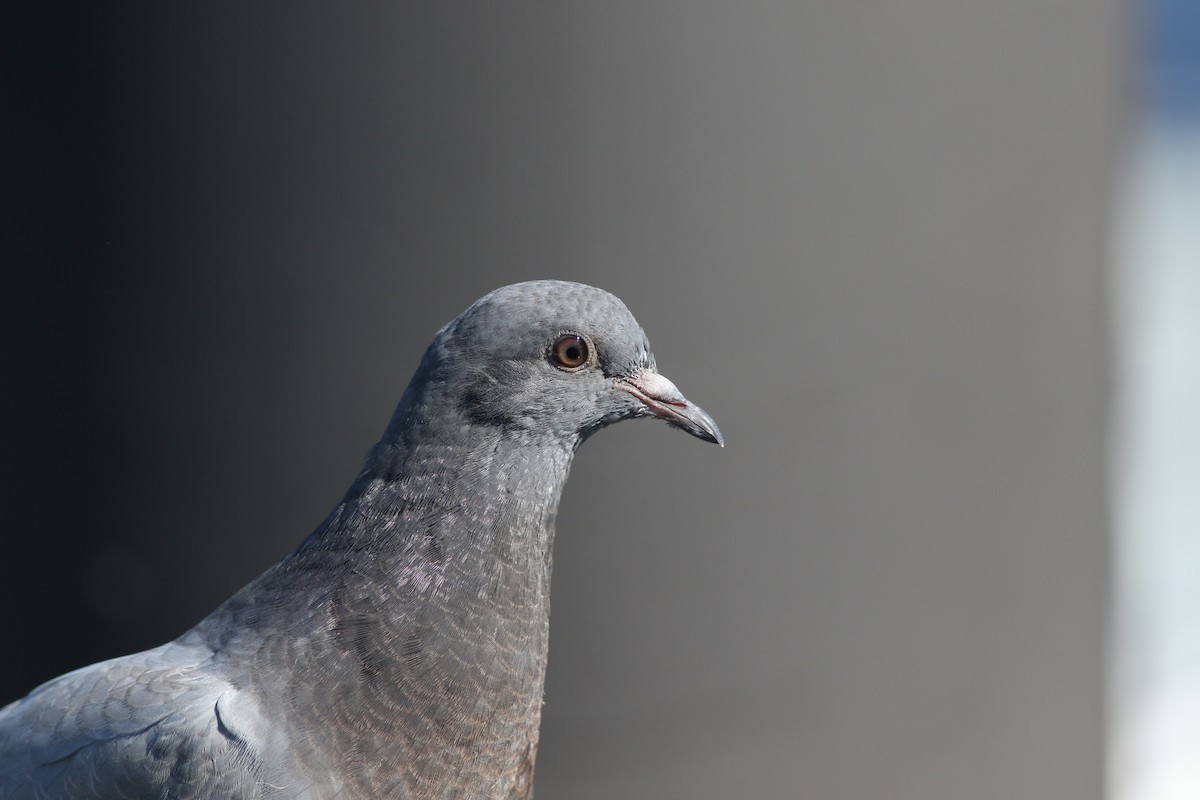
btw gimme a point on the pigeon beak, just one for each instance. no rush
(661, 399)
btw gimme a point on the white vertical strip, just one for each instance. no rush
(1155, 701)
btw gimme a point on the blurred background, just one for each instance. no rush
(1154, 727)
(899, 251)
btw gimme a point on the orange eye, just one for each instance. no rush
(570, 352)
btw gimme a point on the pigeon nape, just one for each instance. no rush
(400, 650)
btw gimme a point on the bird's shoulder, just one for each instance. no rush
(134, 726)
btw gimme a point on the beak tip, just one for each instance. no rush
(712, 433)
(702, 426)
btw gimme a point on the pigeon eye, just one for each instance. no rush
(571, 352)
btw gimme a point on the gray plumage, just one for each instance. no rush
(400, 650)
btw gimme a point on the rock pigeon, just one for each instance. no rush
(400, 650)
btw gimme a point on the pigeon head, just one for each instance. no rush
(547, 359)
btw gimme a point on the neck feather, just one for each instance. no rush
(421, 607)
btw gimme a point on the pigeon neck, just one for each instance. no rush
(498, 470)
(460, 536)
(422, 602)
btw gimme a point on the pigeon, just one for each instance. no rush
(400, 650)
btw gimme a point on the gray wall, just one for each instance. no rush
(869, 237)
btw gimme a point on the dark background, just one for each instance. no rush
(870, 238)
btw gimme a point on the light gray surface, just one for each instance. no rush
(869, 238)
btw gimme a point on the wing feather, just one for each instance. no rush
(140, 726)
